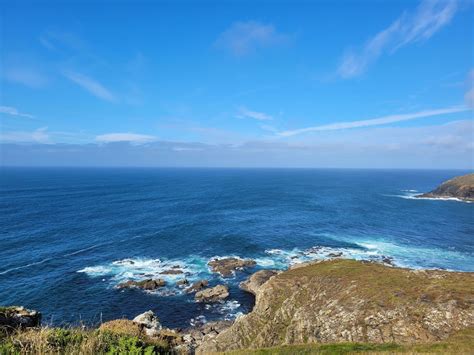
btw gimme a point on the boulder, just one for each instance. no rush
(197, 286)
(227, 266)
(253, 283)
(213, 294)
(148, 284)
(150, 323)
(19, 317)
(182, 282)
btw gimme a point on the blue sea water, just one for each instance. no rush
(69, 236)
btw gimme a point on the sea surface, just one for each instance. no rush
(69, 236)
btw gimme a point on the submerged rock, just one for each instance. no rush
(19, 317)
(171, 272)
(213, 294)
(149, 322)
(227, 266)
(197, 286)
(461, 187)
(343, 300)
(254, 282)
(148, 284)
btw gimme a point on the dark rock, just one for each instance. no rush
(182, 282)
(335, 255)
(227, 266)
(19, 317)
(148, 284)
(171, 272)
(197, 286)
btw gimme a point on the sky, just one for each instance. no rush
(345, 84)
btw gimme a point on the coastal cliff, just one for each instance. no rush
(350, 301)
(461, 187)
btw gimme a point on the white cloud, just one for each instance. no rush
(260, 116)
(124, 137)
(375, 121)
(428, 18)
(91, 85)
(39, 135)
(12, 111)
(245, 37)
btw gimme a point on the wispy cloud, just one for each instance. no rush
(375, 121)
(91, 85)
(39, 135)
(469, 96)
(245, 37)
(12, 111)
(246, 113)
(26, 76)
(427, 19)
(125, 137)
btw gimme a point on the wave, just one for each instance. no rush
(25, 266)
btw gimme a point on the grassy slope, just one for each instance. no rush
(460, 343)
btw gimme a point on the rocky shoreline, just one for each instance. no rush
(331, 301)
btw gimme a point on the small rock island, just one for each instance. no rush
(461, 187)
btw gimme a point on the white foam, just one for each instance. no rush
(415, 195)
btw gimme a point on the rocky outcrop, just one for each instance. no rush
(213, 294)
(194, 337)
(197, 286)
(149, 322)
(148, 284)
(19, 317)
(351, 301)
(461, 187)
(227, 266)
(254, 282)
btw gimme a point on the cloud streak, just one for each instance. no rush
(243, 38)
(246, 113)
(39, 135)
(12, 111)
(90, 85)
(125, 137)
(375, 121)
(427, 19)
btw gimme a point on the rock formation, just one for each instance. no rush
(213, 294)
(197, 286)
(227, 266)
(148, 284)
(254, 282)
(150, 323)
(19, 317)
(343, 300)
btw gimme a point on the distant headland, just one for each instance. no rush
(460, 187)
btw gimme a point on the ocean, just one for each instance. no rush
(69, 236)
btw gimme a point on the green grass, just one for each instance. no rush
(460, 343)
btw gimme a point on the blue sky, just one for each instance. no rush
(297, 84)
